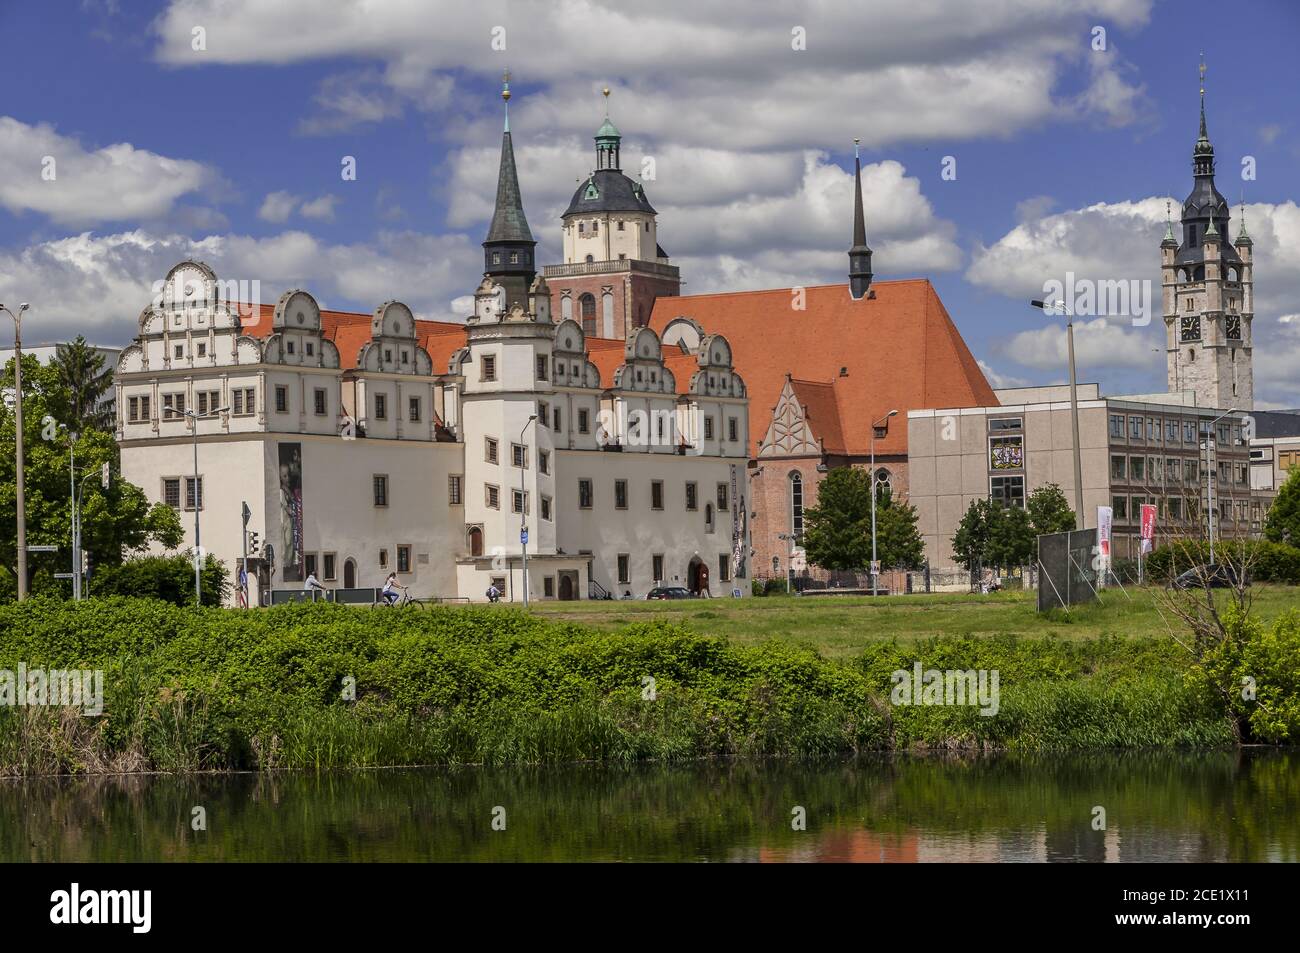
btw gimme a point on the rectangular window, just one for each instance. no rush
(492, 496)
(383, 559)
(173, 406)
(1137, 468)
(1006, 453)
(519, 456)
(193, 493)
(584, 420)
(330, 561)
(1007, 490)
(1175, 508)
(403, 558)
(691, 496)
(201, 401)
(1119, 505)
(624, 568)
(1156, 470)
(453, 490)
(499, 582)
(381, 406)
(543, 414)
(1000, 423)
(543, 461)
(488, 368)
(172, 492)
(320, 401)
(657, 566)
(584, 494)
(1153, 429)
(1171, 431)
(724, 567)
(708, 428)
(656, 494)
(145, 409)
(1117, 425)
(1135, 428)
(203, 349)
(723, 491)
(732, 429)
(309, 563)
(543, 367)
(380, 483)
(518, 501)
(281, 399)
(179, 351)
(556, 425)
(548, 587)
(546, 508)
(1118, 466)
(413, 409)
(1189, 432)
(620, 494)
(243, 401)
(490, 449)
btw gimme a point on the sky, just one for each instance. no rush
(1005, 144)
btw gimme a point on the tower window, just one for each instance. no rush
(590, 259)
(587, 309)
(620, 225)
(595, 228)
(514, 258)
(581, 228)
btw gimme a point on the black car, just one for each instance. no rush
(669, 592)
(1217, 575)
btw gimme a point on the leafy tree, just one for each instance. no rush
(84, 380)
(970, 544)
(1049, 511)
(170, 578)
(1283, 524)
(898, 544)
(1011, 537)
(114, 521)
(837, 531)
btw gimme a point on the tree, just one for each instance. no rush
(898, 544)
(1283, 523)
(114, 521)
(84, 380)
(837, 531)
(1011, 537)
(970, 544)
(1049, 511)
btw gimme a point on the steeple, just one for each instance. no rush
(1205, 209)
(1203, 152)
(859, 254)
(1169, 241)
(508, 248)
(1242, 237)
(607, 140)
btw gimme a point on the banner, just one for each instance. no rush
(291, 556)
(1148, 526)
(1105, 516)
(738, 534)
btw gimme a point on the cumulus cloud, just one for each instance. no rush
(277, 207)
(104, 281)
(55, 175)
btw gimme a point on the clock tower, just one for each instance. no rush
(1208, 286)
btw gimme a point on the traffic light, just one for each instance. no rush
(252, 542)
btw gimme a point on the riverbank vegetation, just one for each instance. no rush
(323, 686)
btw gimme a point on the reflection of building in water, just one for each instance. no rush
(984, 847)
(847, 847)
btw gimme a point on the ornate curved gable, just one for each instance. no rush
(716, 376)
(393, 347)
(643, 367)
(572, 367)
(789, 435)
(297, 337)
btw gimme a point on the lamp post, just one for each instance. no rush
(74, 521)
(1045, 306)
(1210, 477)
(18, 446)
(198, 558)
(523, 506)
(875, 569)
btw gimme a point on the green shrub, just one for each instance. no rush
(1268, 561)
(170, 578)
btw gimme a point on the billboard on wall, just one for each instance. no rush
(291, 556)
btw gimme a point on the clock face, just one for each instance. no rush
(1191, 327)
(1232, 326)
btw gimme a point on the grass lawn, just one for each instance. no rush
(840, 625)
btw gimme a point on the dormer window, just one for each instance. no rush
(496, 258)
(514, 258)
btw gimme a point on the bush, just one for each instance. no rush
(1269, 562)
(169, 578)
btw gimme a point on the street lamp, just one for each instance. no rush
(1074, 406)
(523, 506)
(18, 445)
(875, 569)
(1210, 477)
(198, 558)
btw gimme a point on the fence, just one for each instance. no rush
(814, 581)
(1066, 562)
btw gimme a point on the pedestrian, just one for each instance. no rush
(493, 593)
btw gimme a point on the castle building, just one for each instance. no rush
(363, 445)
(1208, 285)
(614, 268)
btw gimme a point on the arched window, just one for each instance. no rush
(587, 308)
(590, 259)
(796, 505)
(884, 486)
(1182, 275)
(1232, 274)
(475, 540)
(1191, 354)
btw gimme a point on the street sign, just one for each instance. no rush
(44, 549)
(248, 515)
(63, 575)
(103, 475)
(523, 536)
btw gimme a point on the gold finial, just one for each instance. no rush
(505, 85)
(1202, 71)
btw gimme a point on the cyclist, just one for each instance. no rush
(391, 586)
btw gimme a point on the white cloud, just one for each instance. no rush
(102, 282)
(999, 380)
(55, 175)
(277, 207)
(321, 209)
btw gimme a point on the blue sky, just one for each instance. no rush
(1064, 153)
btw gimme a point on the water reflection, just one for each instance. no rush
(1207, 806)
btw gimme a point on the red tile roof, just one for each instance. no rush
(821, 411)
(900, 350)
(350, 330)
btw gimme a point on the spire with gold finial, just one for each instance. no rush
(505, 95)
(860, 253)
(608, 139)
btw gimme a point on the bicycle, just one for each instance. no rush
(403, 600)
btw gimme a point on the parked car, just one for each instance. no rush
(1217, 575)
(669, 592)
